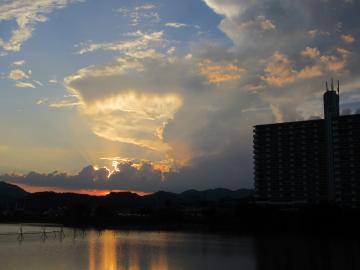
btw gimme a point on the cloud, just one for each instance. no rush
(149, 102)
(266, 24)
(229, 8)
(140, 176)
(38, 83)
(42, 101)
(310, 72)
(176, 25)
(348, 38)
(279, 71)
(295, 56)
(311, 52)
(142, 41)
(64, 104)
(196, 110)
(171, 51)
(140, 14)
(216, 73)
(135, 175)
(26, 14)
(145, 7)
(68, 101)
(316, 32)
(336, 63)
(122, 102)
(214, 93)
(25, 85)
(18, 74)
(18, 63)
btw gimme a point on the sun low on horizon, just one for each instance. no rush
(100, 96)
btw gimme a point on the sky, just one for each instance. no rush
(162, 95)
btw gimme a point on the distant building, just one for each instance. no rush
(309, 162)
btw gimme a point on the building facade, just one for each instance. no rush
(309, 162)
(346, 132)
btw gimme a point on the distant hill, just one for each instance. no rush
(11, 192)
(215, 195)
(43, 201)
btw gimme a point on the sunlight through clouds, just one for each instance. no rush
(167, 90)
(133, 118)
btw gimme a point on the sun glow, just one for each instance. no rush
(93, 192)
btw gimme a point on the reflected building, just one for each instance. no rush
(309, 162)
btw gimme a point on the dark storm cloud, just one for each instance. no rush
(142, 178)
(205, 173)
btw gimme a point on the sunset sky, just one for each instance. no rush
(162, 95)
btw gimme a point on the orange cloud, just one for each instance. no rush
(335, 63)
(311, 52)
(348, 38)
(279, 71)
(217, 73)
(310, 72)
(316, 32)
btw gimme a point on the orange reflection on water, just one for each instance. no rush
(110, 252)
(102, 255)
(160, 262)
(92, 249)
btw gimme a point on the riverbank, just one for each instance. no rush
(240, 219)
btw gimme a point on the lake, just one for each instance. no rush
(134, 250)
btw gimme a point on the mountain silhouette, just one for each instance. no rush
(40, 201)
(9, 192)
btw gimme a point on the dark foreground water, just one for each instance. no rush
(134, 250)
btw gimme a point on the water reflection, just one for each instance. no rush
(138, 250)
(307, 252)
(91, 250)
(102, 251)
(110, 251)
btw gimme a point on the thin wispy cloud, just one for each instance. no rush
(19, 63)
(25, 85)
(140, 41)
(176, 25)
(27, 15)
(140, 14)
(53, 81)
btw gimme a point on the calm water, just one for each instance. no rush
(134, 250)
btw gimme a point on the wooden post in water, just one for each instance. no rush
(21, 234)
(62, 234)
(44, 236)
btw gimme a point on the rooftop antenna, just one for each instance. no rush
(327, 86)
(338, 86)
(332, 84)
